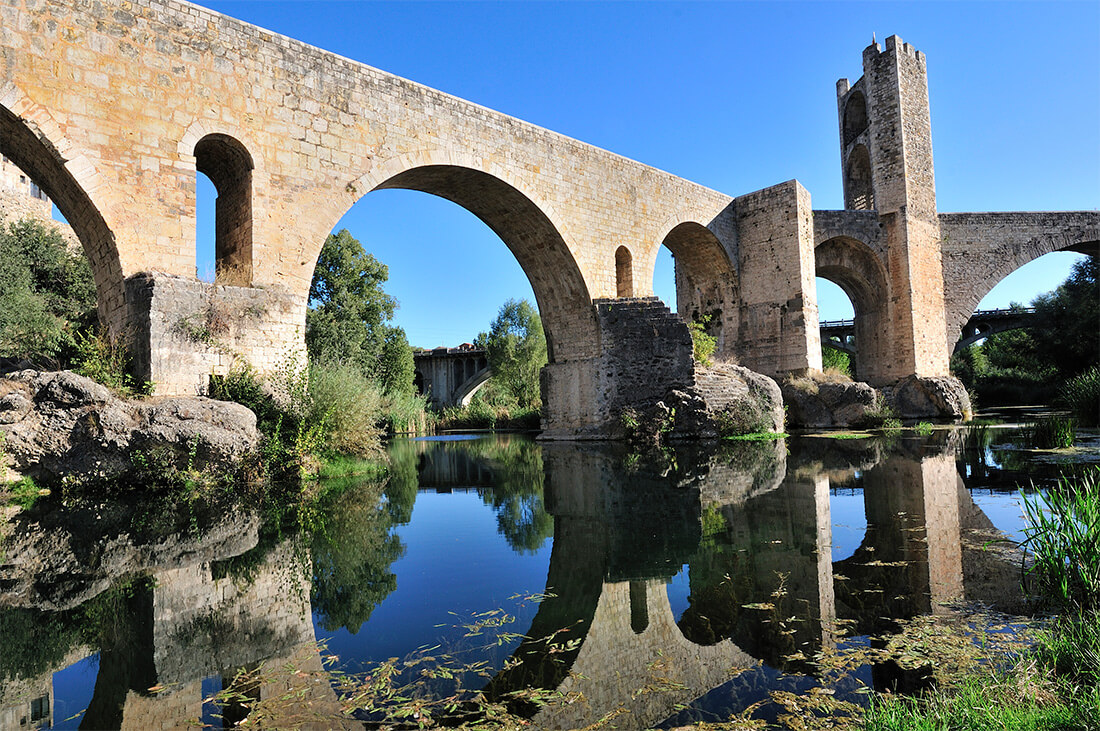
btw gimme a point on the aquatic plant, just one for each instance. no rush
(1052, 432)
(1063, 537)
(1082, 395)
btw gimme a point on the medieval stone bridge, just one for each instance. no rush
(113, 107)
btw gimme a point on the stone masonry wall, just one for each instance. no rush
(981, 249)
(778, 318)
(183, 330)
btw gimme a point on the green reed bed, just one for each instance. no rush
(1052, 432)
(1063, 536)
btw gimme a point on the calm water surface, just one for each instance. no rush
(713, 573)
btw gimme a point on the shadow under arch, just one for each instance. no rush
(28, 146)
(564, 302)
(854, 267)
(705, 281)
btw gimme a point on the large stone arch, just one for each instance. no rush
(706, 282)
(853, 266)
(969, 275)
(31, 139)
(526, 228)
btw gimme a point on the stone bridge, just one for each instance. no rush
(113, 107)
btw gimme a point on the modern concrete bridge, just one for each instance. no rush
(451, 376)
(114, 106)
(840, 334)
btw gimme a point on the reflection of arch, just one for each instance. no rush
(229, 166)
(33, 141)
(853, 267)
(855, 117)
(704, 279)
(564, 302)
(859, 193)
(624, 273)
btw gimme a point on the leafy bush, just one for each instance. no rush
(703, 343)
(47, 294)
(106, 360)
(835, 361)
(349, 404)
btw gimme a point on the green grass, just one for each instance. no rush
(23, 492)
(924, 428)
(1082, 394)
(337, 466)
(1021, 700)
(1052, 432)
(767, 436)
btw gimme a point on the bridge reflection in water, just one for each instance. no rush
(751, 522)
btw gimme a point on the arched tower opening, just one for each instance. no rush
(624, 273)
(228, 165)
(859, 192)
(855, 117)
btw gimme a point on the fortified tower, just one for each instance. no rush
(886, 157)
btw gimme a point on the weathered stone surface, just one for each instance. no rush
(817, 404)
(936, 398)
(725, 399)
(58, 424)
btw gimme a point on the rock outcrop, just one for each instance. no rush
(820, 404)
(60, 424)
(723, 400)
(919, 397)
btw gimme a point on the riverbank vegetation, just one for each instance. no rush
(1048, 362)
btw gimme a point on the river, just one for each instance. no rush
(570, 582)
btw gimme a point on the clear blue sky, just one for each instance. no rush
(736, 96)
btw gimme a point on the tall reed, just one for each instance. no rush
(1063, 536)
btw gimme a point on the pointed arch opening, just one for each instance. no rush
(859, 192)
(624, 273)
(855, 117)
(705, 282)
(853, 267)
(228, 165)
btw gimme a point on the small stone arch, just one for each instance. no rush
(624, 272)
(859, 191)
(33, 141)
(229, 166)
(706, 283)
(853, 266)
(855, 117)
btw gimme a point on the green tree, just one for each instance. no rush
(1067, 328)
(47, 293)
(516, 348)
(347, 318)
